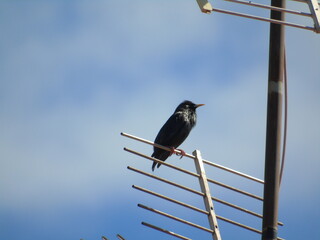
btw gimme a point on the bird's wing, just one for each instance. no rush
(173, 132)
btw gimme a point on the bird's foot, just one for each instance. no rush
(181, 153)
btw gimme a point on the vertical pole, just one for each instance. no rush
(273, 132)
(207, 195)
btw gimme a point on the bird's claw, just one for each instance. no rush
(181, 153)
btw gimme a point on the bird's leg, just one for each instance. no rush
(182, 153)
(172, 150)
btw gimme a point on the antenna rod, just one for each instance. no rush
(273, 131)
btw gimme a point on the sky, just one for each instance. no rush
(75, 74)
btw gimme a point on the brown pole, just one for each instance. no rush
(273, 132)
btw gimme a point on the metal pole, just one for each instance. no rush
(207, 195)
(273, 132)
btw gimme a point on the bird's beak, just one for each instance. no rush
(199, 105)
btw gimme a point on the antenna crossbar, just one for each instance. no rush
(195, 175)
(165, 231)
(120, 237)
(198, 209)
(170, 199)
(206, 7)
(175, 218)
(204, 193)
(162, 162)
(250, 3)
(166, 181)
(242, 225)
(264, 19)
(233, 171)
(191, 156)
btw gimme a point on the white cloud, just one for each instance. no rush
(60, 144)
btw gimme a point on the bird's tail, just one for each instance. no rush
(154, 165)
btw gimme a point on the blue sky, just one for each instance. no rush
(74, 74)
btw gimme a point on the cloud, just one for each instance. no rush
(74, 75)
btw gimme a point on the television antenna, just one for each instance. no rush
(276, 81)
(205, 193)
(314, 12)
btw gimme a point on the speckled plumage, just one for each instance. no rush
(175, 130)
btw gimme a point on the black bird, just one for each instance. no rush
(175, 130)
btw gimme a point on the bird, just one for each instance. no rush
(175, 131)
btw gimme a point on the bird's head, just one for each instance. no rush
(188, 105)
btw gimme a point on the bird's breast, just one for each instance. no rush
(188, 117)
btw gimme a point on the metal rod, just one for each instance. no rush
(232, 171)
(302, 1)
(162, 162)
(285, 116)
(242, 226)
(165, 231)
(196, 175)
(207, 195)
(199, 193)
(264, 19)
(176, 151)
(274, 122)
(315, 11)
(120, 237)
(170, 199)
(236, 207)
(166, 181)
(191, 156)
(175, 218)
(198, 209)
(270, 7)
(240, 208)
(239, 224)
(219, 217)
(235, 189)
